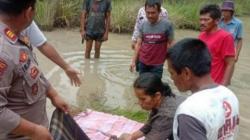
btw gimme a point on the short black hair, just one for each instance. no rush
(153, 3)
(151, 84)
(191, 53)
(212, 9)
(15, 7)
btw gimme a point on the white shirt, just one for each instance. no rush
(216, 108)
(141, 17)
(34, 34)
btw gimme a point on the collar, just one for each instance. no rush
(232, 21)
(163, 103)
(8, 33)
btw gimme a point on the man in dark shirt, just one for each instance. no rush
(95, 22)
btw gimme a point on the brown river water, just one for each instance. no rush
(107, 82)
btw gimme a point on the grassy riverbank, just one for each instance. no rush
(183, 13)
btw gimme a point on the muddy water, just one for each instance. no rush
(106, 83)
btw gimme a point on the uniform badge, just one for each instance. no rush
(3, 67)
(34, 89)
(10, 35)
(23, 57)
(34, 72)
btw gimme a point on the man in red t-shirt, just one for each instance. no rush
(220, 44)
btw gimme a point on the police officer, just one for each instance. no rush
(33, 36)
(23, 87)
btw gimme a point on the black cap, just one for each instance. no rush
(15, 7)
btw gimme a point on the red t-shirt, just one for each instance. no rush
(154, 41)
(154, 49)
(220, 45)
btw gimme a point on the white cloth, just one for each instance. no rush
(141, 17)
(216, 108)
(34, 34)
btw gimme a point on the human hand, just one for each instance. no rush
(125, 136)
(132, 66)
(133, 45)
(41, 133)
(83, 33)
(58, 102)
(113, 137)
(105, 37)
(73, 76)
(236, 58)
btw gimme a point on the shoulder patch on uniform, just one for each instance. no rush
(10, 35)
(23, 56)
(34, 72)
(34, 89)
(3, 66)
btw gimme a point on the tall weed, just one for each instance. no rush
(67, 13)
(182, 13)
(45, 13)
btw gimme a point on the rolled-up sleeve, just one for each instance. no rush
(37, 38)
(145, 129)
(9, 120)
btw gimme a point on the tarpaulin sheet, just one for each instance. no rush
(100, 126)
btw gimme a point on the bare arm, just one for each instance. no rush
(34, 131)
(170, 35)
(107, 25)
(136, 135)
(56, 100)
(136, 54)
(83, 22)
(170, 43)
(230, 61)
(137, 49)
(49, 51)
(238, 49)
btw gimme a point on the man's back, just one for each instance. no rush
(217, 109)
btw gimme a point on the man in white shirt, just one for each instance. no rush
(211, 112)
(141, 17)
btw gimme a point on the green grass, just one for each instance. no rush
(139, 116)
(183, 13)
(45, 13)
(68, 13)
(123, 15)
